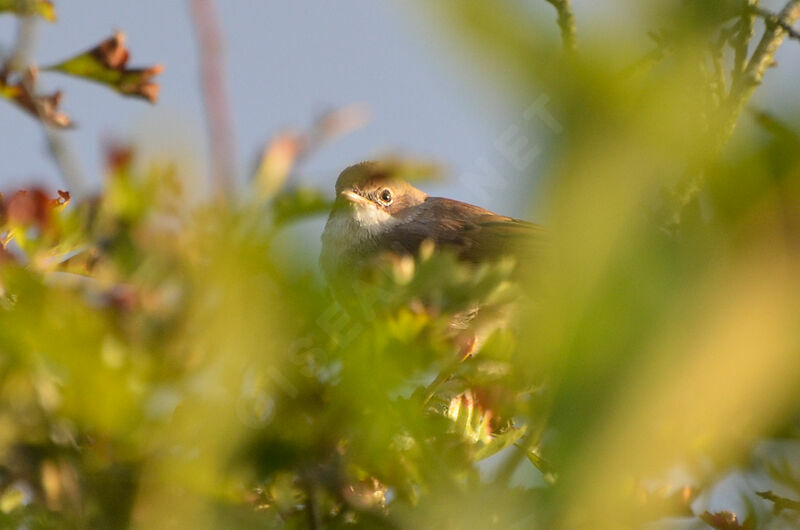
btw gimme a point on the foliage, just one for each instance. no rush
(167, 362)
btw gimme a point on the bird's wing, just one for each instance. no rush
(476, 234)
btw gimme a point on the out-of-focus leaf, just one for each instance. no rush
(542, 465)
(276, 162)
(289, 147)
(340, 122)
(42, 107)
(298, 204)
(32, 207)
(106, 63)
(500, 442)
(42, 8)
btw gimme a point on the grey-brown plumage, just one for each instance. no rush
(376, 211)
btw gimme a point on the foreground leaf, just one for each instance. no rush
(106, 63)
(299, 203)
(499, 442)
(42, 8)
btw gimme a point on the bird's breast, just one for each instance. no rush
(344, 243)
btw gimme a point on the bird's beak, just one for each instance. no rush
(353, 197)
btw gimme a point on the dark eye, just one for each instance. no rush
(386, 196)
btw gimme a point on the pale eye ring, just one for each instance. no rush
(386, 196)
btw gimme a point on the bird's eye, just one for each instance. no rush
(386, 196)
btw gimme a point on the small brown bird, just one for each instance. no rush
(377, 212)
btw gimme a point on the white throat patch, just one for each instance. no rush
(371, 219)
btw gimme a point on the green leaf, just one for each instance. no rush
(500, 442)
(541, 464)
(43, 8)
(106, 63)
(299, 203)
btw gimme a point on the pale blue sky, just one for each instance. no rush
(287, 62)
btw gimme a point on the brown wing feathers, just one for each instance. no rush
(476, 234)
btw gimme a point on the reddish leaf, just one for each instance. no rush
(722, 520)
(118, 157)
(107, 62)
(32, 207)
(43, 8)
(42, 107)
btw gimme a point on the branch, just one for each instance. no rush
(781, 503)
(746, 29)
(745, 84)
(220, 131)
(742, 87)
(566, 22)
(773, 19)
(63, 155)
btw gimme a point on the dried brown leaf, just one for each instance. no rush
(107, 62)
(44, 107)
(723, 520)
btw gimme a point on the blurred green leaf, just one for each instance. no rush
(500, 442)
(299, 203)
(42, 8)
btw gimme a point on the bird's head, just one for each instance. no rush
(372, 197)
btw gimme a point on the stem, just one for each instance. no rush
(743, 36)
(566, 22)
(220, 131)
(742, 87)
(772, 18)
(63, 155)
(745, 84)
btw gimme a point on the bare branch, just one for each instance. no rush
(763, 56)
(772, 18)
(63, 155)
(742, 87)
(746, 28)
(781, 503)
(220, 129)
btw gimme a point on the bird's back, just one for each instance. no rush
(474, 233)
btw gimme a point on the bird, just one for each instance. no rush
(376, 212)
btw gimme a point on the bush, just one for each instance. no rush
(167, 363)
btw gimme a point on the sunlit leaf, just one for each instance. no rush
(299, 203)
(500, 442)
(276, 162)
(106, 63)
(42, 8)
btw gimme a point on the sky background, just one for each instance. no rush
(289, 61)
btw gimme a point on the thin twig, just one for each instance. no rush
(772, 18)
(20, 56)
(763, 56)
(566, 22)
(220, 130)
(742, 87)
(720, 85)
(781, 503)
(742, 37)
(63, 155)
